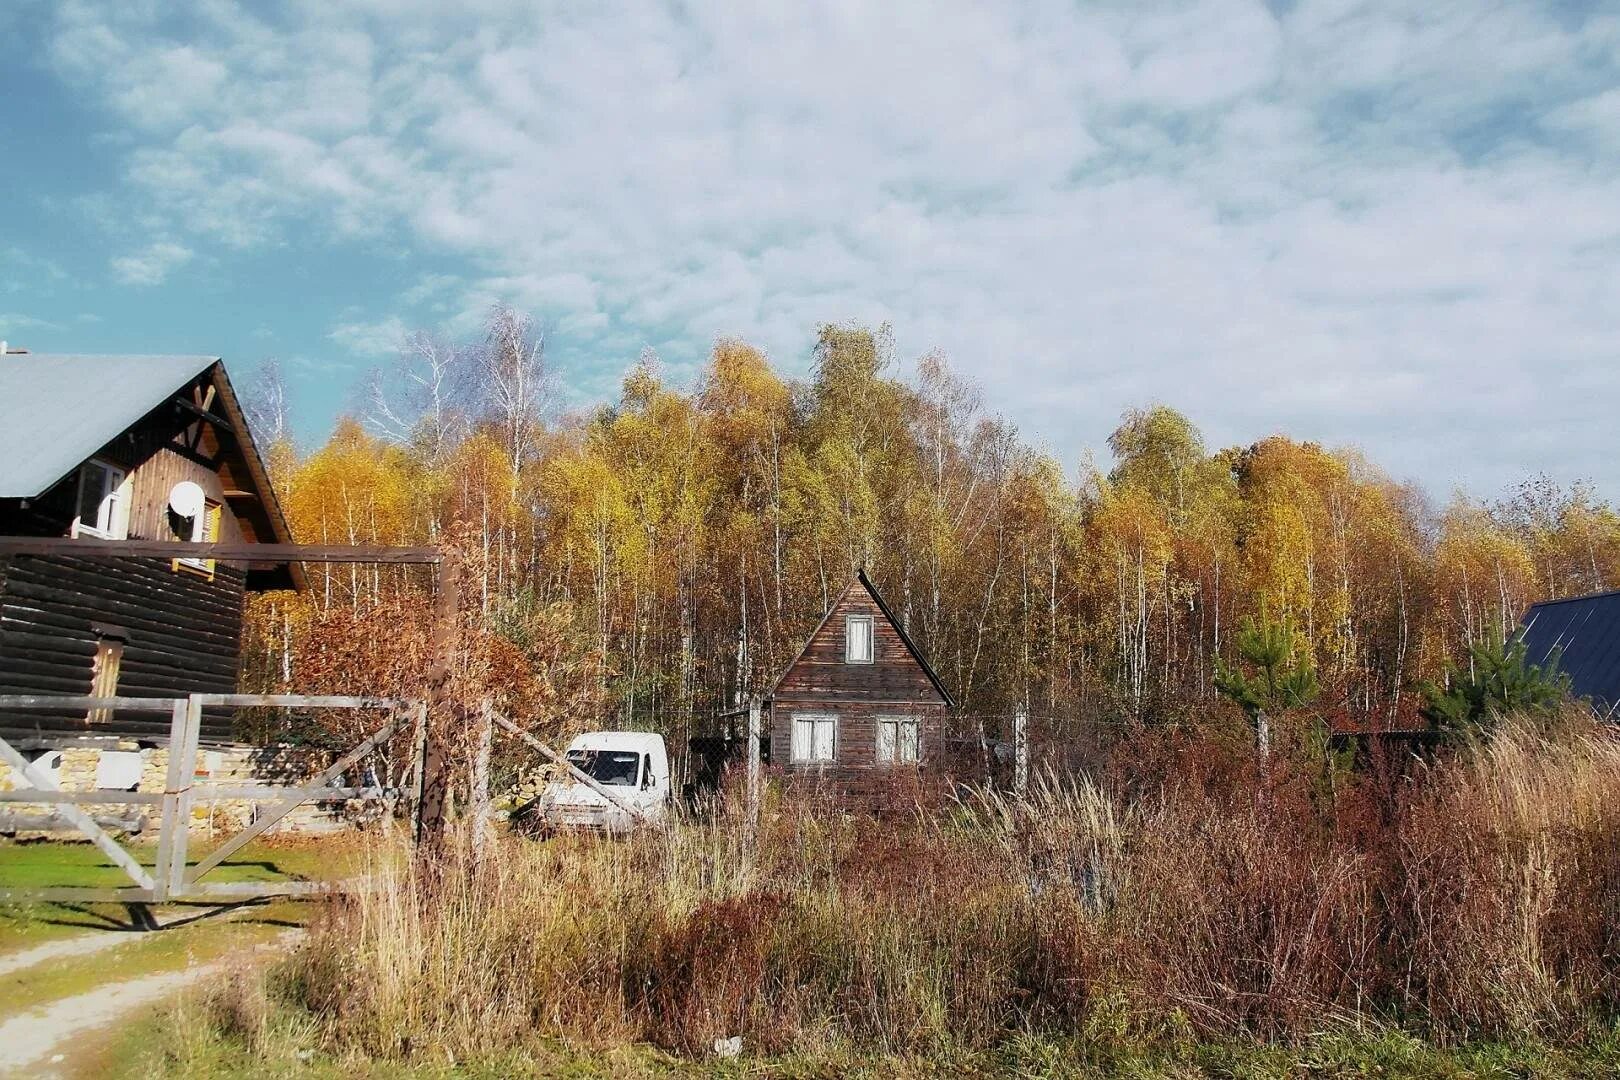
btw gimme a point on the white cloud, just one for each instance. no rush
(23, 271)
(152, 264)
(15, 323)
(381, 338)
(1356, 221)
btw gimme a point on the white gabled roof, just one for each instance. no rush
(56, 410)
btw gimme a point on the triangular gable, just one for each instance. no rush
(38, 450)
(865, 582)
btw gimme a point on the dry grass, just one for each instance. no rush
(1168, 901)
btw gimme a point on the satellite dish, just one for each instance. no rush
(186, 499)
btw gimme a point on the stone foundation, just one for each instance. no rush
(88, 769)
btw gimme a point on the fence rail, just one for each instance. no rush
(172, 879)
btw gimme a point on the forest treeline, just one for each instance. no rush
(668, 552)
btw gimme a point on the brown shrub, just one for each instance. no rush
(1480, 898)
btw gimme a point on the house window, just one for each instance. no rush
(815, 739)
(104, 673)
(202, 529)
(857, 639)
(103, 501)
(898, 740)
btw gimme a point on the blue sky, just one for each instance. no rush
(1395, 226)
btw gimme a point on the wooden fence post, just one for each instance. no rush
(188, 771)
(1021, 750)
(478, 804)
(432, 810)
(753, 773)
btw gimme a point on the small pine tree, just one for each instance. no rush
(1282, 677)
(1499, 681)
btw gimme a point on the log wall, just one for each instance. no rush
(182, 635)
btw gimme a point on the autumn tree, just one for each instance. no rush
(671, 548)
(1272, 674)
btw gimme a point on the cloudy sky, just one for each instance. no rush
(1389, 225)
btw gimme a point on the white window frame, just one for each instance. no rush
(893, 754)
(797, 751)
(871, 639)
(112, 511)
(199, 535)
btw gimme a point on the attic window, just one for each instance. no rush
(202, 529)
(857, 639)
(103, 501)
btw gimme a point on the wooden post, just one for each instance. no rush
(418, 756)
(163, 872)
(753, 771)
(1021, 750)
(478, 804)
(433, 809)
(187, 768)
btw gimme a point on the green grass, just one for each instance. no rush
(58, 863)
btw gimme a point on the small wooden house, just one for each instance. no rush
(860, 701)
(108, 447)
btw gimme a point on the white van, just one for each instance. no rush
(632, 765)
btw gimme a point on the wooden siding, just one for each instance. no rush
(150, 484)
(181, 635)
(820, 682)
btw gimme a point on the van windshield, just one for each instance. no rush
(615, 768)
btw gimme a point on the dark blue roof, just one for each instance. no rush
(1586, 631)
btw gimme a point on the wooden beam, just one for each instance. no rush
(81, 798)
(552, 755)
(302, 701)
(80, 894)
(26, 702)
(263, 792)
(255, 890)
(88, 548)
(201, 412)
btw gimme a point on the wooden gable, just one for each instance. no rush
(195, 432)
(897, 673)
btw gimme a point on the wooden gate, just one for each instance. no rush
(173, 878)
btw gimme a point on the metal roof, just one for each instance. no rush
(1586, 632)
(56, 410)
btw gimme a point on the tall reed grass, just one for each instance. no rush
(1171, 898)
